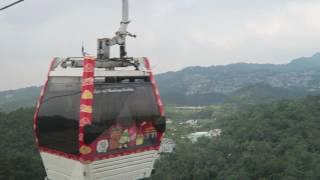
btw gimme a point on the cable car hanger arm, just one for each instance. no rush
(122, 33)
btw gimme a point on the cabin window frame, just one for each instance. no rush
(53, 114)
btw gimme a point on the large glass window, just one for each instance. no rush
(58, 118)
(125, 115)
(124, 102)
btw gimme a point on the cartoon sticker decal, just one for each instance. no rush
(139, 139)
(119, 139)
(149, 132)
(115, 137)
(102, 146)
(124, 140)
(132, 135)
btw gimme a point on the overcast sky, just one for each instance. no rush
(172, 33)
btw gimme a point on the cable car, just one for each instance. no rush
(100, 118)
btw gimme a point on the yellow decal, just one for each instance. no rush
(87, 95)
(85, 108)
(139, 140)
(85, 150)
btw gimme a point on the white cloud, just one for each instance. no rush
(291, 20)
(172, 33)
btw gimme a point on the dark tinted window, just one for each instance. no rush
(124, 113)
(58, 118)
(125, 102)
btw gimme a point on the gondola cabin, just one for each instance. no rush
(99, 121)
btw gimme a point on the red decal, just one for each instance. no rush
(155, 92)
(86, 104)
(35, 117)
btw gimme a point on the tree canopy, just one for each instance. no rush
(274, 141)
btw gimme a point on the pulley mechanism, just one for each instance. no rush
(104, 44)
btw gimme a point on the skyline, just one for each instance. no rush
(173, 33)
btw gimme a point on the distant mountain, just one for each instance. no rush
(264, 93)
(13, 99)
(241, 83)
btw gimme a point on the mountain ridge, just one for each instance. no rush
(302, 72)
(236, 83)
(23, 97)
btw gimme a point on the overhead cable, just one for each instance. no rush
(10, 5)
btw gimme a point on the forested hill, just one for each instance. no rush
(19, 158)
(235, 83)
(14, 99)
(275, 141)
(207, 85)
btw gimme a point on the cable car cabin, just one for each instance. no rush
(96, 123)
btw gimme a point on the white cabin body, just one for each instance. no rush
(106, 129)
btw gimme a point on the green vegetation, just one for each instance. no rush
(206, 117)
(19, 159)
(15, 99)
(273, 141)
(276, 141)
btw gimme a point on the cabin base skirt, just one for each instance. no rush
(130, 167)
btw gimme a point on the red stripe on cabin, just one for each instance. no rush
(40, 99)
(86, 104)
(156, 93)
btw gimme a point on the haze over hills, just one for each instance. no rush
(13, 99)
(239, 83)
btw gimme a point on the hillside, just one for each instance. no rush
(14, 99)
(217, 83)
(273, 141)
(18, 155)
(264, 93)
(236, 83)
